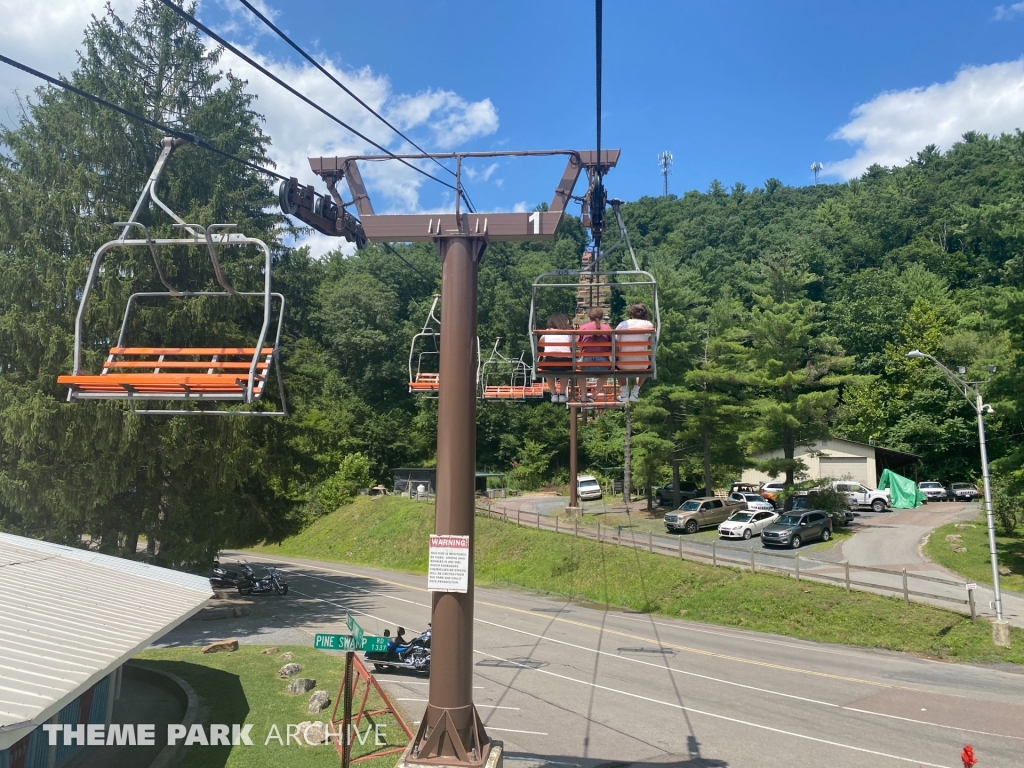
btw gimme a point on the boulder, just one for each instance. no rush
(289, 670)
(319, 701)
(960, 550)
(288, 656)
(1004, 571)
(266, 651)
(300, 685)
(312, 734)
(955, 537)
(221, 646)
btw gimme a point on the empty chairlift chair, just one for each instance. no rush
(425, 356)
(502, 378)
(171, 374)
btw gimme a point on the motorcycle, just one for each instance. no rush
(402, 654)
(221, 577)
(272, 581)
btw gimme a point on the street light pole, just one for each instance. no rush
(973, 396)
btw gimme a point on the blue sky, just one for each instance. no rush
(738, 91)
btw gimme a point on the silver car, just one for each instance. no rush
(933, 490)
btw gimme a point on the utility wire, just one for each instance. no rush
(244, 57)
(337, 82)
(190, 137)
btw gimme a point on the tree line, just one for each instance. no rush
(786, 316)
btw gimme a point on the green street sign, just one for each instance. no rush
(361, 642)
(375, 643)
(354, 628)
(335, 642)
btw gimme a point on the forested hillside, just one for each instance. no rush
(786, 316)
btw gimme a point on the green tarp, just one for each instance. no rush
(903, 492)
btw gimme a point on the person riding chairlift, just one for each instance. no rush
(631, 344)
(560, 346)
(599, 353)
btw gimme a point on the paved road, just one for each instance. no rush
(564, 684)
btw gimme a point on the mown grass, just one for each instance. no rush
(243, 687)
(392, 533)
(974, 564)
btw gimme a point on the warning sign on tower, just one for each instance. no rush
(448, 568)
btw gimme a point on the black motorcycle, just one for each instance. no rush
(221, 577)
(272, 581)
(403, 654)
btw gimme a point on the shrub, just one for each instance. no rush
(353, 473)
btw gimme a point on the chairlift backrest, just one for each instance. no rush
(425, 355)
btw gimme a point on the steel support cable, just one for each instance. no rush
(408, 264)
(259, 67)
(256, 12)
(190, 137)
(597, 199)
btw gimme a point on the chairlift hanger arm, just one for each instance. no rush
(535, 225)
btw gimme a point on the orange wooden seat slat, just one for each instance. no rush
(153, 383)
(178, 351)
(205, 364)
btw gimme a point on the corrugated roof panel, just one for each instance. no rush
(69, 617)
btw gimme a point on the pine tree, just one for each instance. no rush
(68, 170)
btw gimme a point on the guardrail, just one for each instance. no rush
(789, 563)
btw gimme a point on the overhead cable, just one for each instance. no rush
(408, 264)
(259, 67)
(190, 137)
(335, 80)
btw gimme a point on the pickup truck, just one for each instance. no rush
(702, 512)
(860, 496)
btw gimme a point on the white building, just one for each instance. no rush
(840, 459)
(69, 619)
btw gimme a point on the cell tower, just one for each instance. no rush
(816, 167)
(665, 163)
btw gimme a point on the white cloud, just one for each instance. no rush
(1006, 12)
(44, 36)
(894, 126)
(451, 118)
(484, 175)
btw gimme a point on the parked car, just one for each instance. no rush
(933, 490)
(771, 491)
(752, 501)
(700, 513)
(860, 496)
(808, 500)
(587, 488)
(963, 492)
(666, 496)
(743, 525)
(794, 529)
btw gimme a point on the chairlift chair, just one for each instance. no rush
(502, 378)
(425, 356)
(215, 373)
(618, 357)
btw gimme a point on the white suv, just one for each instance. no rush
(587, 488)
(863, 497)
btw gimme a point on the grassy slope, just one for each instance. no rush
(392, 533)
(243, 687)
(974, 563)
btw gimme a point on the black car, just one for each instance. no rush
(687, 491)
(796, 528)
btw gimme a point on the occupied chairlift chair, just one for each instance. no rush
(177, 374)
(425, 356)
(502, 378)
(617, 358)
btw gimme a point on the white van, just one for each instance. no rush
(587, 488)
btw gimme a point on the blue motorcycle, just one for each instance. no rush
(403, 654)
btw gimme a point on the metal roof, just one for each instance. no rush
(69, 617)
